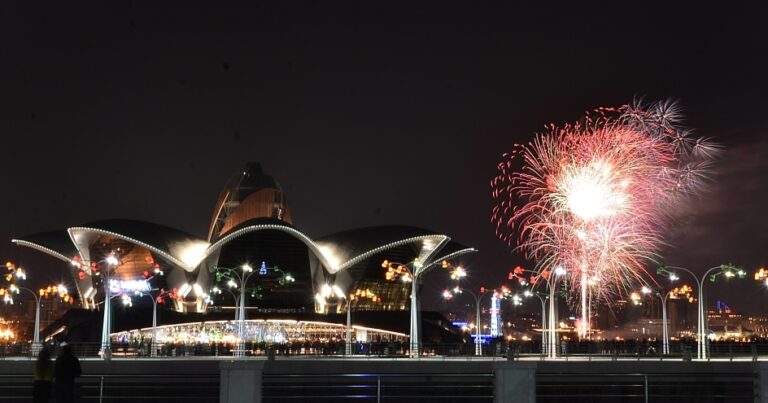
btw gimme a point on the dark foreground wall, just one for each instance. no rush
(338, 380)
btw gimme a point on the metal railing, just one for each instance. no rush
(167, 387)
(464, 387)
(640, 350)
(646, 387)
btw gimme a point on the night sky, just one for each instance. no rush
(367, 114)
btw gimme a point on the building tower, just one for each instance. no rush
(495, 312)
(248, 195)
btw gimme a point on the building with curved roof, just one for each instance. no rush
(251, 224)
(248, 195)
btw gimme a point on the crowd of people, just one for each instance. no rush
(144, 349)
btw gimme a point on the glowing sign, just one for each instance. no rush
(134, 286)
(495, 316)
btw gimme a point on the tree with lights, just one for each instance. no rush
(237, 278)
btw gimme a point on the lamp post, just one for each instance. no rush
(141, 288)
(675, 293)
(762, 275)
(111, 261)
(218, 291)
(158, 297)
(408, 273)
(448, 294)
(44, 292)
(238, 278)
(728, 271)
(18, 273)
(242, 279)
(664, 330)
(517, 273)
(324, 296)
(348, 339)
(552, 278)
(412, 273)
(543, 299)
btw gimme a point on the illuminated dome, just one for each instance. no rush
(248, 195)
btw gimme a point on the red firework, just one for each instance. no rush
(594, 197)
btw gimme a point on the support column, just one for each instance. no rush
(348, 340)
(106, 348)
(553, 339)
(583, 329)
(36, 346)
(241, 381)
(153, 353)
(414, 336)
(514, 381)
(762, 379)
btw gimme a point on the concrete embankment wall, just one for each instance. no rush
(254, 380)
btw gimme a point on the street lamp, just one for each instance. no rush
(408, 273)
(139, 288)
(478, 299)
(218, 291)
(111, 261)
(411, 273)
(726, 270)
(677, 292)
(543, 299)
(330, 292)
(358, 295)
(664, 332)
(19, 273)
(762, 275)
(517, 273)
(238, 278)
(559, 271)
(158, 296)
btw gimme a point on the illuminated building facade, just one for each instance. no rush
(251, 224)
(258, 331)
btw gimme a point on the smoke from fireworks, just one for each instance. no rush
(594, 197)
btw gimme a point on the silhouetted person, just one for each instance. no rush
(41, 389)
(67, 369)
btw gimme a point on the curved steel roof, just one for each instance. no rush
(336, 251)
(55, 243)
(262, 224)
(158, 235)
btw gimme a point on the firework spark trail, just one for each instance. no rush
(594, 197)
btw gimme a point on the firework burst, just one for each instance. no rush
(594, 197)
